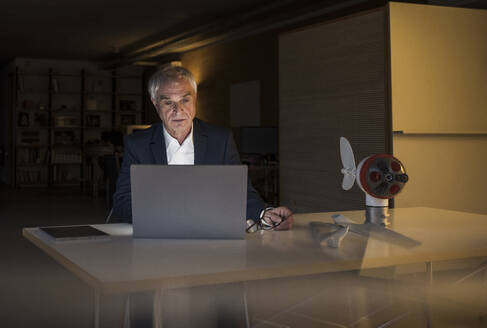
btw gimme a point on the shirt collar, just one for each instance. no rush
(170, 140)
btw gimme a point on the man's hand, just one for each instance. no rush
(280, 216)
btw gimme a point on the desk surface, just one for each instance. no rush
(124, 264)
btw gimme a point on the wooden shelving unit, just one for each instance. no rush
(57, 115)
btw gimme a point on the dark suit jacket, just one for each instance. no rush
(212, 145)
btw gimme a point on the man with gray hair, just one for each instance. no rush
(184, 139)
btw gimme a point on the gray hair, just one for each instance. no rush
(167, 74)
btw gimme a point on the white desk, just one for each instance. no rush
(124, 264)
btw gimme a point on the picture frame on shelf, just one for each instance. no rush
(20, 82)
(99, 85)
(41, 119)
(66, 121)
(128, 105)
(128, 119)
(102, 104)
(30, 138)
(23, 119)
(27, 104)
(65, 138)
(55, 85)
(93, 121)
(91, 103)
(62, 108)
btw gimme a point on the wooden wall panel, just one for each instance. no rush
(331, 83)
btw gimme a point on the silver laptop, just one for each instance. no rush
(189, 201)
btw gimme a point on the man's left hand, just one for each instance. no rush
(280, 216)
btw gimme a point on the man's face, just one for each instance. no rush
(176, 105)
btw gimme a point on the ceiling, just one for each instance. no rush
(118, 32)
(94, 29)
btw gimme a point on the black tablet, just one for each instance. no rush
(75, 232)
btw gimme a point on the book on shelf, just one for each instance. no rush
(32, 155)
(65, 156)
(128, 105)
(29, 176)
(30, 138)
(64, 175)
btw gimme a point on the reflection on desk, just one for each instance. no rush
(124, 264)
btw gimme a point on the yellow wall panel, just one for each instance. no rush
(445, 171)
(438, 69)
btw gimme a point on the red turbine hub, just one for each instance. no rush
(382, 176)
(394, 189)
(395, 166)
(375, 176)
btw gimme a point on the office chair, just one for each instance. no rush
(109, 216)
(110, 167)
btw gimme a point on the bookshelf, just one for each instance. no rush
(60, 114)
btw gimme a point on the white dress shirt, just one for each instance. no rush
(179, 154)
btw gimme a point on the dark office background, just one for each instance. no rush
(225, 43)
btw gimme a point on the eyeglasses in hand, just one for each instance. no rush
(259, 225)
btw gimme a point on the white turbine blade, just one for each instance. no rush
(348, 181)
(335, 240)
(348, 162)
(341, 220)
(346, 153)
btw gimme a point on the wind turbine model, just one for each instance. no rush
(381, 177)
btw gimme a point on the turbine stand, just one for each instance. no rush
(376, 211)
